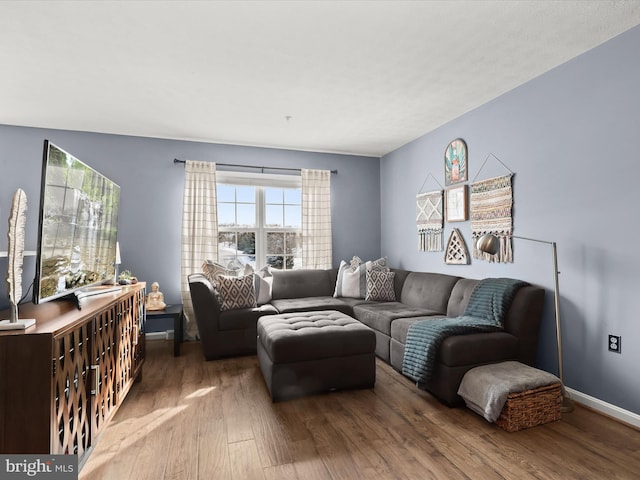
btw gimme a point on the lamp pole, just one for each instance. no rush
(489, 243)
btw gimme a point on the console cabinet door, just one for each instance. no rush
(105, 341)
(139, 320)
(71, 420)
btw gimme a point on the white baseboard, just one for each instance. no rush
(168, 335)
(605, 408)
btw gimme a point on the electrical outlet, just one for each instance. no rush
(615, 344)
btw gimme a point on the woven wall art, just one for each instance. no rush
(429, 220)
(491, 212)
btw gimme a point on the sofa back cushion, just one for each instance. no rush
(460, 295)
(398, 281)
(428, 290)
(302, 283)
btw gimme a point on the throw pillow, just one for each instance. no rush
(263, 289)
(380, 286)
(213, 270)
(352, 277)
(237, 292)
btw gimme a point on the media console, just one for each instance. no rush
(62, 380)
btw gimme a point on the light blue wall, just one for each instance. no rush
(571, 137)
(151, 194)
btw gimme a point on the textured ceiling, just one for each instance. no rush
(354, 77)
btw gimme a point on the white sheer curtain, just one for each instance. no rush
(316, 219)
(199, 229)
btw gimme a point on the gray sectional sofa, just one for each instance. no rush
(420, 295)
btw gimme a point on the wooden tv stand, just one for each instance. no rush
(63, 379)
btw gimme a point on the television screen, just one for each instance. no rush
(77, 229)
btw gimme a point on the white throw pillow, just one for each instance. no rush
(352, 277)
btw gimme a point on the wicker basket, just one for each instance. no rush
(531, 407)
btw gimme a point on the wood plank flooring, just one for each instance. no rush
(190, 419)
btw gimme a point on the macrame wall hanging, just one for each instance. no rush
(430, 218)
(457, 253)
(491, 203)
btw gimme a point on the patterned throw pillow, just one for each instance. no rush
(352, 277)
(213, 270)
(237, 292)
(380, 286)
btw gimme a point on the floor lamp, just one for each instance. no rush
(490, 244)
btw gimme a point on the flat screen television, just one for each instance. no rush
(77, 230)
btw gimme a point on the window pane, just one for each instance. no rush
(292, 216)
(294, 243)
(246, 215)
(226, 239)
(236, 249)
(273, 216)
(289, 263)
(226, 214)
(247, 243)
(293, 196)
(275, 242)
(273, 195)
(247, 260)
(225, 193)
(245, 194)
(275, 261)
(226, 247)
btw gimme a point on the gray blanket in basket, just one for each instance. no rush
(485, 389)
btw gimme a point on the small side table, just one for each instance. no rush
(175, 312)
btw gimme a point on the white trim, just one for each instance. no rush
(620, 414)
(259, 179)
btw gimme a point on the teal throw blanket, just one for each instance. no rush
(489, 303)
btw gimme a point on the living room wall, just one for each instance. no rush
(570, 138)
(151, 194)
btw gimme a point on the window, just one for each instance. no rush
(259, 220)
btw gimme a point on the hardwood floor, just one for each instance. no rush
(191, 419)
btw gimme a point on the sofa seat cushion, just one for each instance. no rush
(379, 316)
(244, 318)
(469, 349)
(400, 327)
(352, 302)
(287, 305)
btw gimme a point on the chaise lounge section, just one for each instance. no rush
(419, 296)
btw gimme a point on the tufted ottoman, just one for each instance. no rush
(312, 352)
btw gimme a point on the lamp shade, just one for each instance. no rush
(488, 244)
(118, 259)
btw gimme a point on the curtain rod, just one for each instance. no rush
(177, 160)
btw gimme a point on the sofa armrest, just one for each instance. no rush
(206, 309)
(523, 320)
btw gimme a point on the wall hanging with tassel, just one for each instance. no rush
(429, 221)
(491, 212)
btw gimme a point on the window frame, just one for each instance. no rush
(261, 181)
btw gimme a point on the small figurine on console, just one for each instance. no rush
(155, 299)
